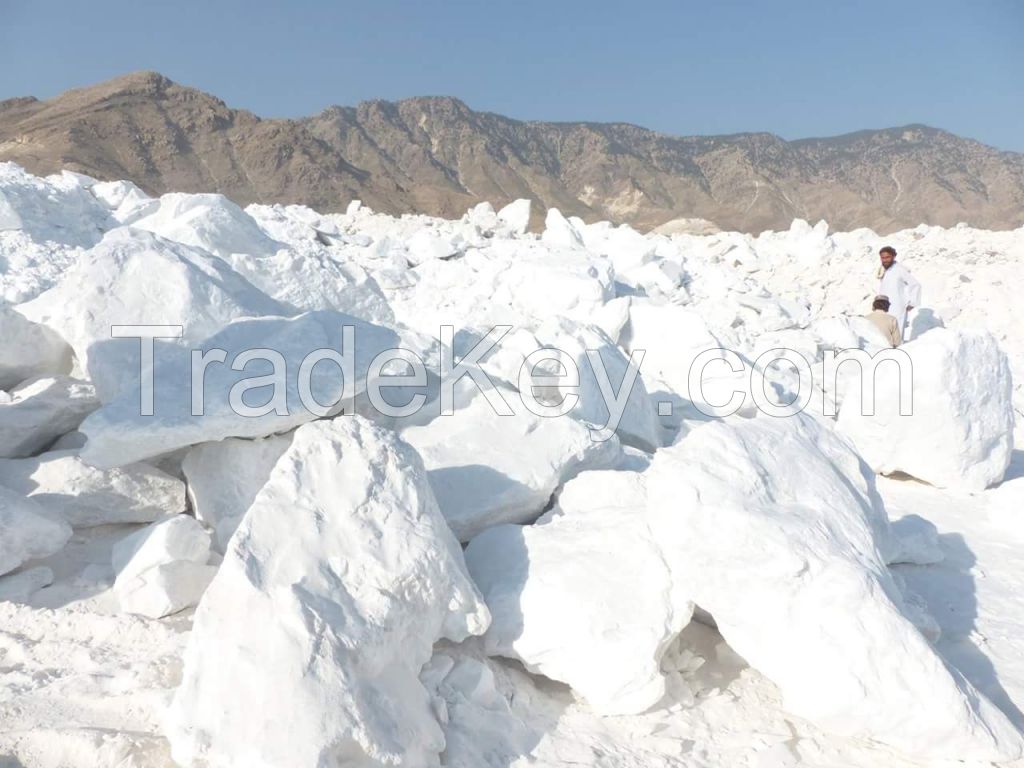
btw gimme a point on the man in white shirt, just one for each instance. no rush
(896, 282)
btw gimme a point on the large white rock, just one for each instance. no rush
(960, 432)
(303, 275)
(125, 199)
(28, 350)
(132, 277)
(225, 476)
(488, 469)
(584, 596)
(162, 569)
(515, 282)
(516, 216)
(559, 231)
(119, 434)
(56, 208)
(672, 337)
(209, 222)
(635, 421)
(428, 245)
(483, 217)
(578, 360)
(165, 589)
(628, 249)
(26, 531)
(344, 574)
(86, 496)
(42, 410)
(769, 524)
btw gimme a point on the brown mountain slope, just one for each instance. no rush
(435, 155)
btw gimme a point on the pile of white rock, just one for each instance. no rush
(319, 545)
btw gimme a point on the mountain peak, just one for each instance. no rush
(142, 83)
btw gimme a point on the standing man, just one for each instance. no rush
(896, 282)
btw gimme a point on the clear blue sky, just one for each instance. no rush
(797, 68)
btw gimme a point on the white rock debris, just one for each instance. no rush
(681, 569)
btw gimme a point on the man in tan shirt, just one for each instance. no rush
(884, 322)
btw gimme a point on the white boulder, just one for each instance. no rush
(959, 432)
(225, 476)
(27, 531)
(769, 525)
(303, 275)
(671, 337)
(125, 199)
(28, 350)
(27, 267)
(132, 277)
(516, 216)
(559, 231)
(40, 411)
(209, 222)
(85, 496)
(428, 245)
(483, 217)
(606, 397)
(541, 586)
(162, 569)
(344, 574)
(487, 468)
(517, 282)
(119, 434)
(56, 208)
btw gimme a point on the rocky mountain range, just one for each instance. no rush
(436, 155)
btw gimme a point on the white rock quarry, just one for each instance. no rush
(162, 569)
(486, 468)
(86, 496)
(959, 433)
(540, 582)
(224, 478)
(344, 573)
(769, 525)
(336, 587)
(119, 434)
(27, 531)
(135, 278)
(28, 350)
(40, 411)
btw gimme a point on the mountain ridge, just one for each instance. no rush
(436, 155)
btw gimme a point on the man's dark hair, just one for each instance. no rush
(888, 249)
(882, 304)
